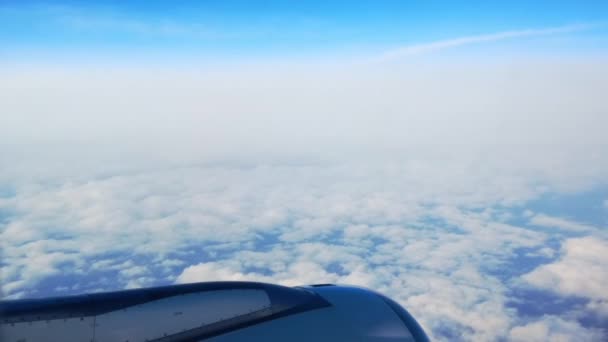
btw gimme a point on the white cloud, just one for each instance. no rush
(411, 229)
(551, 328)
(209, 272)
(581, 271)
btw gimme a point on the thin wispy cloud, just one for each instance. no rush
(107, 20)
(439, 45)
(543, 220)
(159, 28)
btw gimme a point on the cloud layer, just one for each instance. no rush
(441, 238)
(417, 181)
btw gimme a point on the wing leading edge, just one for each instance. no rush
(211, 311)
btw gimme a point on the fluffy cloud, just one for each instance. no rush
(439, 240)
(551, 328)
(581, 271)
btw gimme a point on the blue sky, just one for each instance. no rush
(452, 156)
(242, 30)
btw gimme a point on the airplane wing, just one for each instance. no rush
(211, 312)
